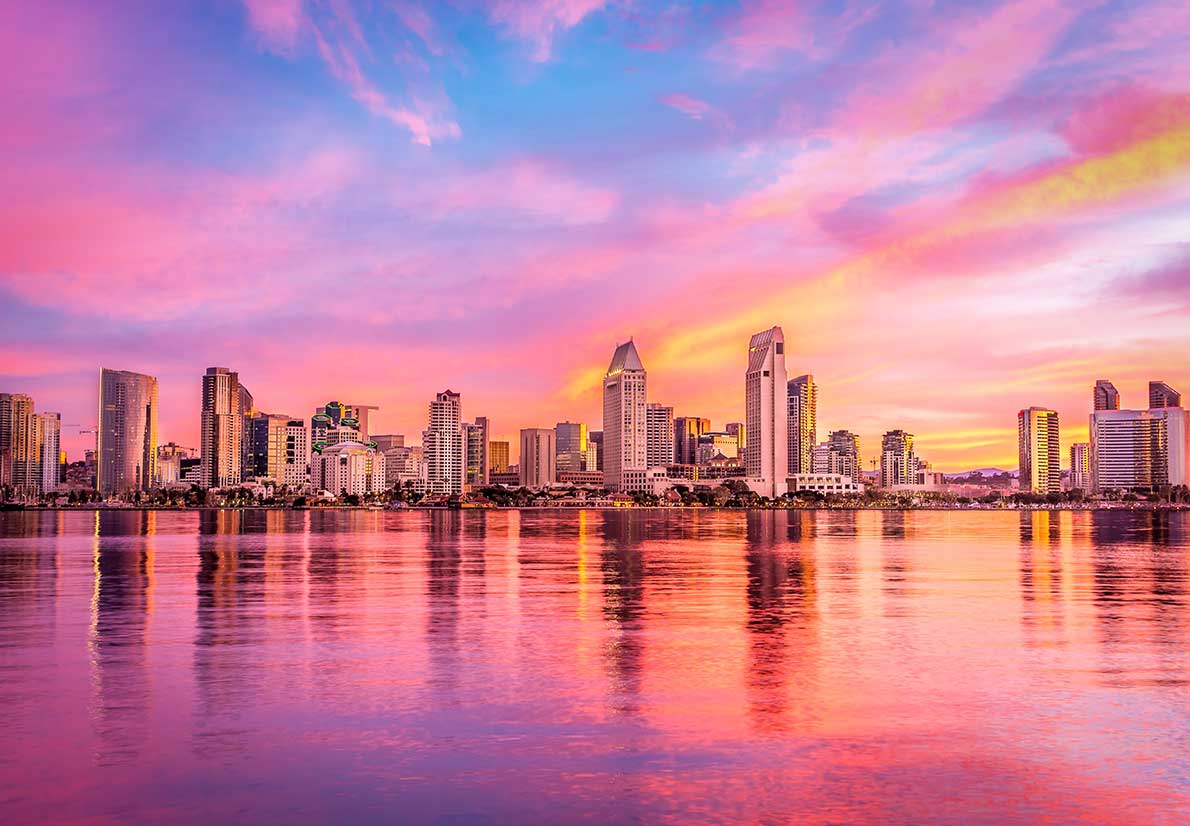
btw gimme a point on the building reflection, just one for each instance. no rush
(1043, 609)
(229, 628)
(782, 619)
(894, 563)
(622, 567)
(121, 606)
(444, 539)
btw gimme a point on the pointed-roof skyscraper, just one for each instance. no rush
(766, 455)
(625, 418)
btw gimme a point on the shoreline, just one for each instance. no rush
(1131, 507)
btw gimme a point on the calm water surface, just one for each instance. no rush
(647, 667)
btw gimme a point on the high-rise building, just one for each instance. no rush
(625, 425)
(740, 432)
(405, 467)
(222, 428)
(498, 456)
(1106, 397)
(247, 412)
(387, 441)
(442, 443)
(717, 446)
(1162, 395)
(595, 445)
(538, 462)
(266, 438)
(766, 456)
(660, 434)
(898, 464)
(357, 416)
(475, 450)
(348, 468)
(572, 445)
(687, 430)
(1080, 466)
(839, 455)
(127, 439)
(295, 462)
(1040, 450)
(1139, 449)
(20, 456)
(50, 434)
(803, 423)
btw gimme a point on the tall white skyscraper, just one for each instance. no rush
(222, 428)
(660, 438)
(766, 455)
(625, 420)
(50, 431)
(442, 444)
(803, 423)
(1040, 451)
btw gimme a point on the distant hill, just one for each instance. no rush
(983, 471)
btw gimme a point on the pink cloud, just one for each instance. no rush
(688, 106)
(278, 22)
(1124, 115)
(540, 21)
(764, 30)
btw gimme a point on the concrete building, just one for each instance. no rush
(127, 439)
(1080, 466)
(539, 456)
(766, 456)
(1162, 395)
(1105, 396)
(571, 439)
(713, 445)
(442, 443)
(266, 438)
(387, 441)
(687, 429)
(625, 422)
(898, 464)
(595, 450)
(498, 457)
(295, 461)
(803, 423)
(1139, 449)
(660, 436)
(405, 467)
(1040, 450)
(581, 478)
(357, 416)
(20, 456)
(738, 430)
(347, 468)
(825, 483)
(221, 430)
(49, 426)
(839, 454)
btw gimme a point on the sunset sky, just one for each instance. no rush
(954, 210)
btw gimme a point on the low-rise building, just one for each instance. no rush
(347, 468)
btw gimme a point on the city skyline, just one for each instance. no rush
(684, 176)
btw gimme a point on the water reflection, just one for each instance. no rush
(121, 686)
(623, 567)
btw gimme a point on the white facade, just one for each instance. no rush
(1139, 449)
(347, 468)
(539, 455)
(295, 461)
(898, 463)
(824, 483)
(660, 435)
(50, 432)
(625, 417)
(405, 465)
(766, 455)
(442, 443)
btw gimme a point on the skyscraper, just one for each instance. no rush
(1106, 397)
(1040, 450)
(295, 462)
(442, 443)
(687, 430)
(740, 432)
(1162, 395)
(898, 464)
(571, 440)
(660, 437)
(498, 456)
(266, 440)
(475, 450)
(594, 446)
(803, 423)
(625, 425)
(766, 456)
(842, 456)
(1139, 449)
(127, 437)
(20, 458)
(222, 428)
(50, 435)
(247, 411)
(538, 462)
(1080, 466)
(357, 416)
